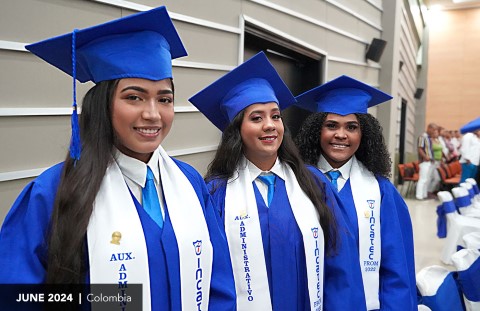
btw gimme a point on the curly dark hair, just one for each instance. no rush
(372, 151)
(230, 152)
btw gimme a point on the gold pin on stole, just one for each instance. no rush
(116, 237)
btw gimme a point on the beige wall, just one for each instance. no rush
(35, 97)
(453, 92)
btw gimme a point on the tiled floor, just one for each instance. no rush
(428, 246)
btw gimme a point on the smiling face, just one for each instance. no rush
(340, 138)
(262, 134)
(142, 115)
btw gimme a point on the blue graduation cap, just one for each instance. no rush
(254, 82)
(141, 45)
(343, 95)
(471, 126)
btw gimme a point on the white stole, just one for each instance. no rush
(367, 199)
(127, 262)
(244, 237)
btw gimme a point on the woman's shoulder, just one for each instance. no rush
(215, 185)
(387, 187)
(188, 170)
(35, 202)
(384, 182)
(317, 173)
(315, 170)
(312, 168)
(51, 173)
(47, 182)
(195, 179)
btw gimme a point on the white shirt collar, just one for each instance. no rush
(324, 167)
(135, 169)
(255, 171)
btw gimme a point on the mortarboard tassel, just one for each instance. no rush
(75, 143)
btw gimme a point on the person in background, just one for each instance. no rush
(428, 178)
(439, 157)
(470, 154)
(119, 208)
(458, 136)
(278, 215)
(452, 151)
(346, 144)
(442, 132)
(455, 143)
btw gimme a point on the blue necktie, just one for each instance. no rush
(333, 178)
(268, 180)
(151, 204)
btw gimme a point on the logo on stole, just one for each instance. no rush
(315, 232)
(366, 212)
(198, 247)
(370, 203)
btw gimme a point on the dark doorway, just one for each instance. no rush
(402, 136)
(300, 68)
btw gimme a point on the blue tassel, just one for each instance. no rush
(75, 142)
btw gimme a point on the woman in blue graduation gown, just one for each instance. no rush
(119, 210)
(346, 143)
(277, 232)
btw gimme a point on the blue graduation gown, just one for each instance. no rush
(343, 285)
(397, 289)
(285, 255)
(23, 249)
(282, 244)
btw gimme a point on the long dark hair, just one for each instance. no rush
(230, 152)
(372, 152)
(79, 184)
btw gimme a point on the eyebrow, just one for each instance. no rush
(142, 90)
(263, 111)
(348, 122)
